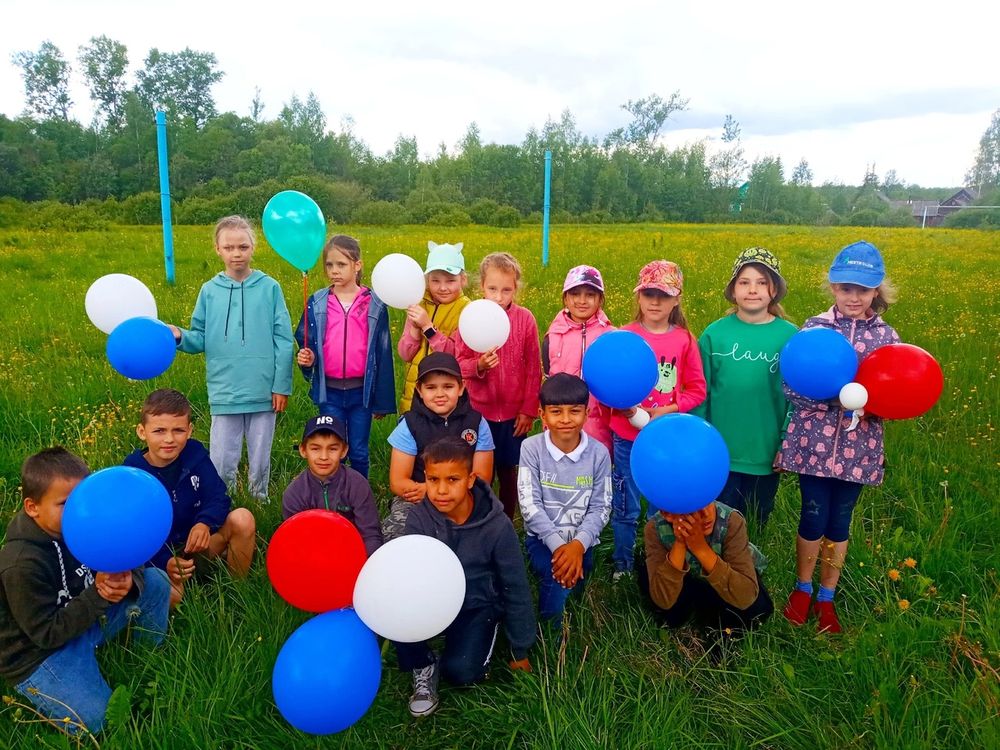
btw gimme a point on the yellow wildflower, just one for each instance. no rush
(893, 575)
(910, 562)
(904, 604)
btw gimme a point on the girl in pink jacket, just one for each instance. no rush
(577, 326)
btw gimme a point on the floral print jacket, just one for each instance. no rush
(817, 441)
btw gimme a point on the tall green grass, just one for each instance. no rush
(923, 676)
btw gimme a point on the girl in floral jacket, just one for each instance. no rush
(833, 458)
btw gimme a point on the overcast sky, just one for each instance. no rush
(908, 86)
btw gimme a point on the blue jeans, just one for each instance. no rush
(751, 493)
(468, 648)
(349, 407)
(827, 507)
(625, 505)
(551, 595)
(69, 682)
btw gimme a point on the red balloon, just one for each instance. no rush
(314, 559)
(903, 381)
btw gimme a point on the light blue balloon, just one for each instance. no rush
(327, 674)
(116, 519)
(141, 348)
(295, 227)
(818, 362)
(680, 463)
(620, 369)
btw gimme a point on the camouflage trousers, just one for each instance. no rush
(394, 523)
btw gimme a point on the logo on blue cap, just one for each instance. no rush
(859, 263)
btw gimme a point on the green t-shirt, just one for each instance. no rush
(745, 401)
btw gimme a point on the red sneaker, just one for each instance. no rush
(797, 609)
(826, 614)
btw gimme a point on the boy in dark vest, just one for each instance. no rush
(440, 408)
(702, 564)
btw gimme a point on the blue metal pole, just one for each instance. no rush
(545, 208)
(168, 230)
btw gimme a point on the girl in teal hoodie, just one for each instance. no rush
(241, 323)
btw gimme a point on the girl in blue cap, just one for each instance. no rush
(833, 458)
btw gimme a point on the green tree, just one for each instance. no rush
(802, 175)
(649, 115)
(728, 165)
(46, 81)
(181, 82)
(304, 120)
(105, 63)
(985, 173)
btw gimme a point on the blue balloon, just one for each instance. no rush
(818, 362)
(117, 519)
(620, 369)
(141, 348)
(295, 227)
(327, 673)
(680, 462)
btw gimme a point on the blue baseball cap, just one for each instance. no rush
(859, 263)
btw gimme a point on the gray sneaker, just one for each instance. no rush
(424, 700)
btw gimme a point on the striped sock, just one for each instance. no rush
(825, 594)
(806, 586)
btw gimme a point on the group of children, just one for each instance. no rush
(465, 422)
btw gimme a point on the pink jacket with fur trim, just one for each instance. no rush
(817, 441)
(563, 348)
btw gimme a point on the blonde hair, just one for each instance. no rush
(348, 246)
(773, 308)
(235, 222)
(502, 262)
(886, 294)
(676, 318)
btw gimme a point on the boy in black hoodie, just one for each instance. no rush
(51, 604)
(462, 511)
(203, 522)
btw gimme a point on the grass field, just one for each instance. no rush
(916, 667)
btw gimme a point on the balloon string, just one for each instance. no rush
(855, 418)
(305, 310)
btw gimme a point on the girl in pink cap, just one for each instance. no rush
(681, 388)
(575, 327)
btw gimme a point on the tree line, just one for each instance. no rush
(55, 169)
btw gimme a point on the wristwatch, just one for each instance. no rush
(430, 333)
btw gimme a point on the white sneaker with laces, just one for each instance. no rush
(424, 700)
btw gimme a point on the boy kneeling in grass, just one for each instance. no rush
(203, 523)
(702, 564)
(462, 511)
(326, 484)
(51, 605)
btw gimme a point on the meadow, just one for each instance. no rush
(917, 666)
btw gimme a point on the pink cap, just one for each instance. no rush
(662, 275)
(583, 276)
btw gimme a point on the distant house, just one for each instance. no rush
(932, 213)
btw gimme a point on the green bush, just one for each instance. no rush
(507, 217)
(535, 217)
(978, 219)
(781, 216)
(450, 216)
(484, 211)
(897, 217)
(381, 213)
(866, 217)
(142, 208)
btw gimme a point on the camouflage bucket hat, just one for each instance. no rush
(761, 257)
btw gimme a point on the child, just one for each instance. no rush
(326, 484)
(745, 400)
(703, 564)
(441, 407)
(833, 460)
(203, 523)
(681, 387)
(430, 324)
(564, 489)
(241, 323)
(54, 611)
(503, 383)
(349, 358)
(575, 327)
(461, 511)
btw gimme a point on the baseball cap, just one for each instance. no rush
(447, 258)
(859, 263)
(763, 257)
(662, 275)
(583, 276)
(439, 362)
(324, 423)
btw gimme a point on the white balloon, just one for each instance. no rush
(398, 280)
(640, 419)
(410, 589)
(484, 325)
(115, 298)
(854, 396)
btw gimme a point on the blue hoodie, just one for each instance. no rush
(198, 495)
(246, 334)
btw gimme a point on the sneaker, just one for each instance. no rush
(797, 609)
(826, 616)
(424, 700)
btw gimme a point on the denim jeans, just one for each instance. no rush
(827, 507)
(69, 682)
(551, 595)
(348, 406)
(226, 447)
(625, 505)
(468, 648)
(751, 494)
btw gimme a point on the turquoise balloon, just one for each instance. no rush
(295, 227)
